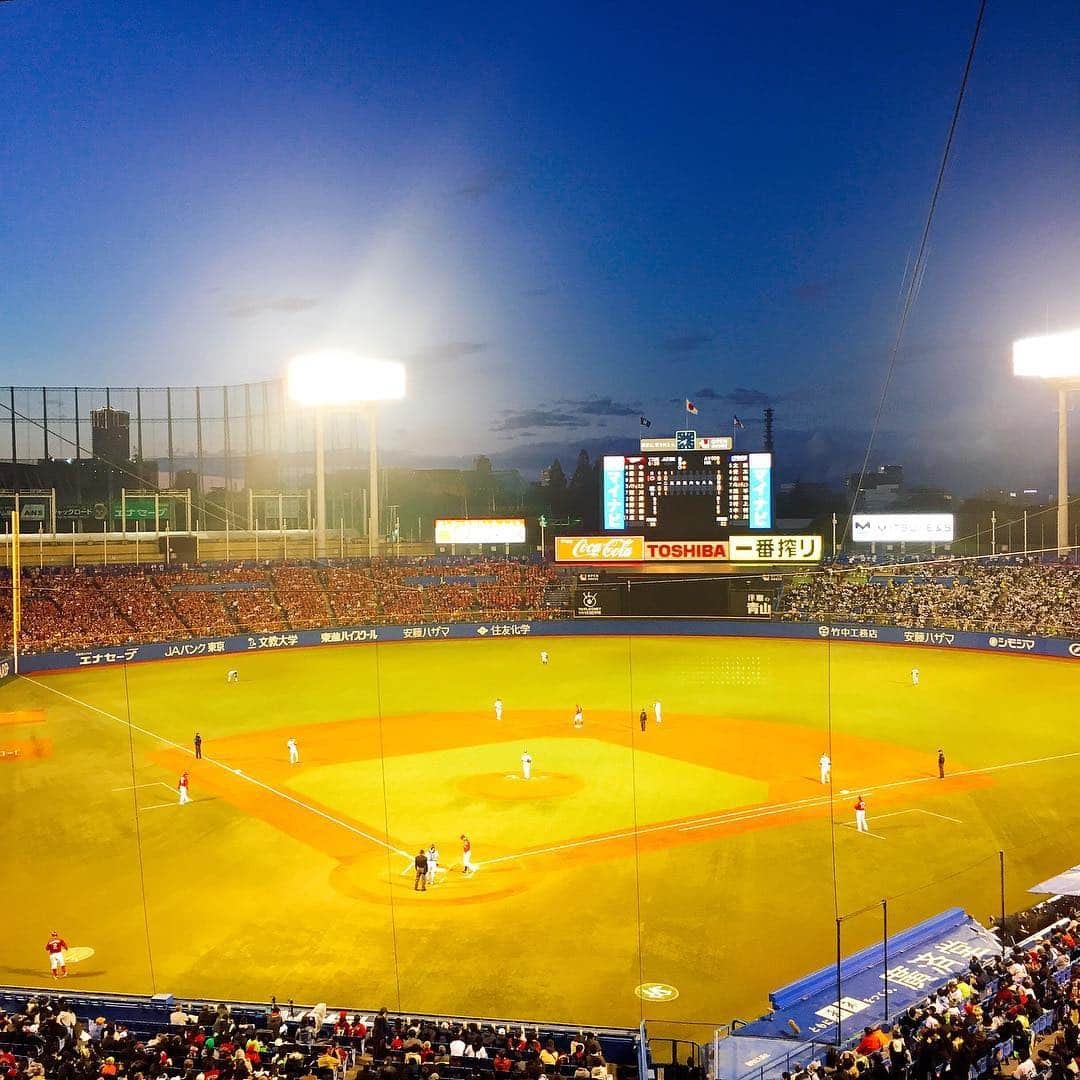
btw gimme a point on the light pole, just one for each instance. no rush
(1056, 358)
(336, 379)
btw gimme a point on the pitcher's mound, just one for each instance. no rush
(513, 786)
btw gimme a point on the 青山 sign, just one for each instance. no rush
(479, 530)
(775, 549)
(902, 528)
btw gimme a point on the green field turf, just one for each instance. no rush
(698, 853)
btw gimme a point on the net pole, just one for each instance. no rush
(16, 588)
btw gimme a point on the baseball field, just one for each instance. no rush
(675, 873)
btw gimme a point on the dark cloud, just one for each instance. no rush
(482, 183)
(684, 344)
(525, 421)
(450, 350)
(282, 305)
(741, 396)
(746, 397)
(602, 406)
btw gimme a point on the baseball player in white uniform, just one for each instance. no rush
(914, 676)
(182, 787)
(233, 676)
(498, 708)
(294, 753)
(579, 718)
(543, 656)
(432, 863)
(656, 712)
(526, 765)
(826, 767)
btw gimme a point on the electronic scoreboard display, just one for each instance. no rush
(691, 494)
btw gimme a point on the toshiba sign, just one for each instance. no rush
(686, 551)
(634, 549)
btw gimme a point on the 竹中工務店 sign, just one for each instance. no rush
(775, 549)
(635, 549)
(479, 530)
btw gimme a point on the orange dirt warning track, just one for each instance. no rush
(782, 756)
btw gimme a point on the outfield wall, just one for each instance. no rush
(1064, 648)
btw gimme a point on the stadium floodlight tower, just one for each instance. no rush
(336, 379)
(1056, 358)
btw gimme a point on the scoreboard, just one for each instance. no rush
(687, 494)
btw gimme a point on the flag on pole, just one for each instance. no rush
(645, 421)
(691, 407)
(737, 423)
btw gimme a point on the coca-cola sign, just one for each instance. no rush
(634, 549)
(599, 549)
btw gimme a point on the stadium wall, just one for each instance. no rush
(1062, 648)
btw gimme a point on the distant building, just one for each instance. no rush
(110, 433)
(880, 489)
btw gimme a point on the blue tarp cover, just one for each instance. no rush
(921, 959)
(1067, 883)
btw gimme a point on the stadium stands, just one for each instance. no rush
(1031, 599)
(69, 609)
(83, 1037)
(84, 608)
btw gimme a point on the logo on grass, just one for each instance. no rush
(656, 991)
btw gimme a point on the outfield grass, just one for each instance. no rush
(699, 853)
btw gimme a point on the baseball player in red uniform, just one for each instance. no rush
(860, 815)
(466, 855)
(55, 947)
(182, 787)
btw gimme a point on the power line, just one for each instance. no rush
(918, 269)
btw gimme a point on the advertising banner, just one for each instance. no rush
(856, 633)
(776, 549)
(599, 549)
(761, 491)
(902, 528)
(479, 531)
(614, 478)
(686, 551)
(598, 601)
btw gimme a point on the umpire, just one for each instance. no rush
(420, 865)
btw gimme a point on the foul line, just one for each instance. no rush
(136, 787)
(770, 809)
(221, 765)
(706, 822)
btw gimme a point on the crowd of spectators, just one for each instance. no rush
(1016, 1015)
(88, 607)
(1032, 599)
(46, 1038)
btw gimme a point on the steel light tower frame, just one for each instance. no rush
(1055, 358)
(336, 379)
